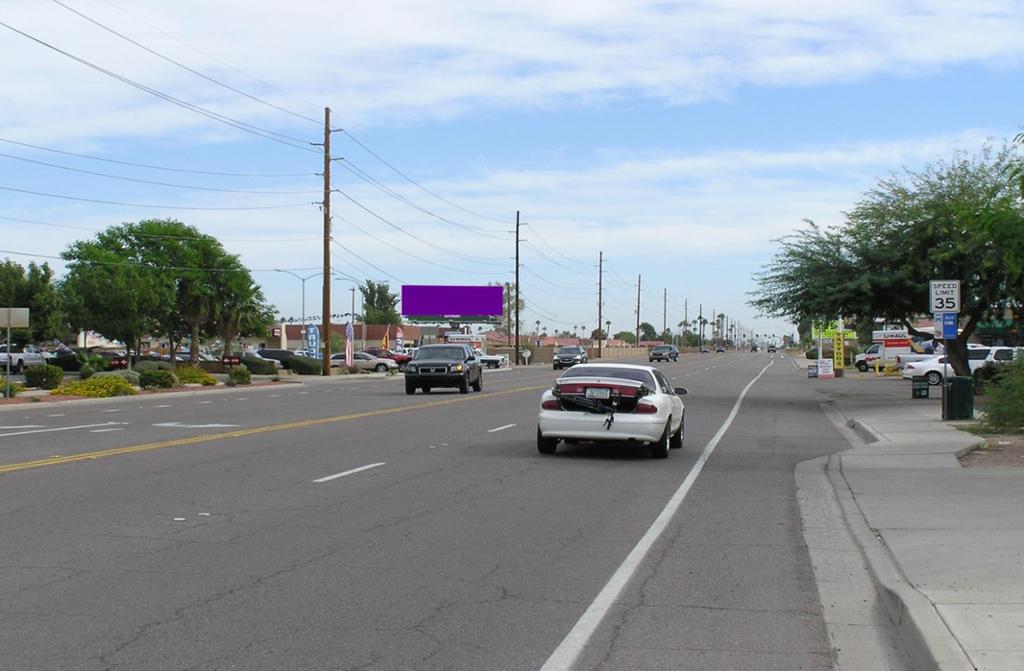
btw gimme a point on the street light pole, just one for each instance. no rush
(303, 280)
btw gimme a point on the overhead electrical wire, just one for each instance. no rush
(155, 235)
(158, 167)
(536, 233)
(536, 249)
(274, 136)
(582, 292)
(150, 181)
(147, 265)
(375, 267)
(185, 67)
(150, 205)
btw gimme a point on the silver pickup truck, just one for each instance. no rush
(491, 360)
(20, 358)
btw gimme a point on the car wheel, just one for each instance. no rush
(426, 389)
(862, 367)
(545, 445)
(934, 378)
(381, 368)
(676, 441)
(479, 384)
(410, 388)
(659, 449)
(554, 368)
(492, 364)
(464, 385)
(650, 361)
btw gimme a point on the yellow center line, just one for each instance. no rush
(209, 437)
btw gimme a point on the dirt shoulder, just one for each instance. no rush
(999, 450)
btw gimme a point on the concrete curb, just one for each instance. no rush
(928, 642)
(128, 399)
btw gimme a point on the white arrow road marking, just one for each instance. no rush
(344, 473)
(180, 425)
(500, 428)
(61, 428)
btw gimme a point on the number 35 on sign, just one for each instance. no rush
(944, 296)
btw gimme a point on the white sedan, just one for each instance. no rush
(608, 402)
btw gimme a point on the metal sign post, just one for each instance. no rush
(14, 318)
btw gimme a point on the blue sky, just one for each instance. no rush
(680, 139)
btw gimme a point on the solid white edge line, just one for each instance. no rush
(500, 428)
(344, 473)
(565, 655)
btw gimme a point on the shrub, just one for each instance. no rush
(147, 364)
(67, 362)
(304, 365)
(157, 379)
(1005, 409)
(239, 375)
(93, 361)
(97, 387)
(15, 387)
(129, 376)
(86, 371)
(44, 377)
(258, 366)
(195, 375)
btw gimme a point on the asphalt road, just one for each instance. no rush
(205, 531)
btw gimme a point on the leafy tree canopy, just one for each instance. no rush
(379, 303)
(33, 288)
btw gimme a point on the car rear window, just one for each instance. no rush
(622, 373)
(977, 354)
(1003, 355)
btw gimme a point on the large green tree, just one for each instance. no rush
(379, 303)
(33, 288)
(958, 219)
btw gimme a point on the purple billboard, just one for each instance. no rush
(424, 300)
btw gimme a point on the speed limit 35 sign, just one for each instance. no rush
(944, 296)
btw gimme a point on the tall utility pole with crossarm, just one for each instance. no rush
(517, 289)
(600, 277)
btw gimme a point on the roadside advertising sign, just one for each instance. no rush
(825, 369)
(839, 351)
(812, 370)
(399, 339)
(946, 325)
(313, 340)
(944, 295)
(14, 318)
(825, 330)
(893, 341)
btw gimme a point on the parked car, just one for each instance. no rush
(568, 356)
(663, 353)
(771, 349)
(936, 368)
(612, 402)
(450, 365)
(491, 360)
(20, 358)
(112, 358)
(283, 356)
(364, 361)
(397, 357)
(720, 350)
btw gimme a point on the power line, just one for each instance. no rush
(154, 235)
(536, 233)
(402, 250)
(369, 179)
(157, 167)
(161, 207)
(149, 181)
(375, 267)
(274, 136)
(417, 184)
(185, 67)
(147, 265)
(468, 257)
(548, 258)
(582, 292)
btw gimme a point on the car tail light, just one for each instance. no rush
(551, 404)
(645, 409)
(910, 366)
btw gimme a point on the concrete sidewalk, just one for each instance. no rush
(943, 544)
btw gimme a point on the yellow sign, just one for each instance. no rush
(825, 331)
(838, 350)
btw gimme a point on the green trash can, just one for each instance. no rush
(958, 398)
(919, 387)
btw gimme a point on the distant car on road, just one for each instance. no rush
(364, 361)
(610, 403)
(720, 349)
(450, 365)
(568, 356)
(401, 359)
(663, 353)
(771, 349)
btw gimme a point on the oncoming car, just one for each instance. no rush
(612, 403)
(451, 365)
(664, 353)
(568, 356)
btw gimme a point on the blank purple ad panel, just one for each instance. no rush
(419, 300)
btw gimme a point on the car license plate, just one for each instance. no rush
(598, 392)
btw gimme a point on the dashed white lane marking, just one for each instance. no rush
(275, 396)
(564, 656)
(118, 410)
(202, 402)
(302, 393)
(181, 425)
(328, 478)
(61, 428)
(500, 428)
(22, 426)
(106, 430)
(60, 414)
(161, 406)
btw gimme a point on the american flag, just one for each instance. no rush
(350, 337)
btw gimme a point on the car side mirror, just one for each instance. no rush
(680, 391)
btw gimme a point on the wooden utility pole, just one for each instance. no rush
(325, 339)
(600, 324)
(517, 288)
(639, 279)
(700, 326)
(664, 311)
(686, 320)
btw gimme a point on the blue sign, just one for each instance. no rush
(313, 340)
(948, 321)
